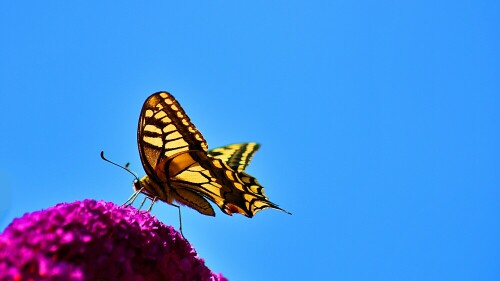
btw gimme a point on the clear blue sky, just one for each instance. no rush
(379, 124)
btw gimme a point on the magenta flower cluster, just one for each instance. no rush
(97, 240)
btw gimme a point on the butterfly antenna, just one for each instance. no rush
(126, 168)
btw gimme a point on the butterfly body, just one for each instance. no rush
(180, 167)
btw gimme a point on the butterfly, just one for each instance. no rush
(180, 168)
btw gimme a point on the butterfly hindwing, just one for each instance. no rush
(236, 156)
(195, 201)
(214, 180)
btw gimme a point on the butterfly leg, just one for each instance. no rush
(180, 219)
(152, 203)
(132, 198)
(142, 203)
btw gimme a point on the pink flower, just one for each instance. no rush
(97, 240)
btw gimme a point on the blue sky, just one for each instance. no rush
(378, 122)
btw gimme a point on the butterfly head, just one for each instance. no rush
(137, 185)
(149, 188)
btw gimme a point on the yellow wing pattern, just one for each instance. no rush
(237, 156)
(165, 130)
(180, 168)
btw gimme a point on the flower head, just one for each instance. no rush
(96, 240)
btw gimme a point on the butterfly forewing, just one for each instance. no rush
(165, 130)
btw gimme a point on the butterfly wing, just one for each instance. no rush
(165, 130)
(195, 201)
(237, 156)
(214, 180)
